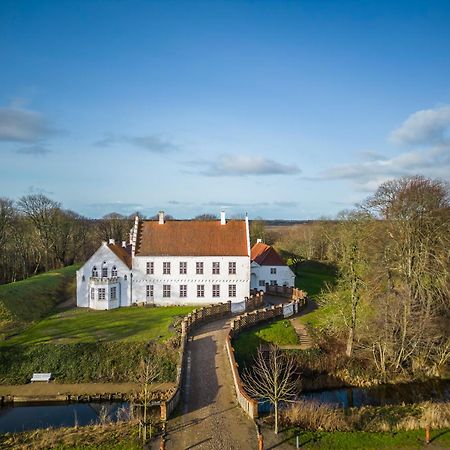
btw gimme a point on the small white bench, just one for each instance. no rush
(41, 377)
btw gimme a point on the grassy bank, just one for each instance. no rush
(357, 440)
(30, 300)
(99, 362)
(280, 332)
(117, 436)
(314, 276)
(82, 325)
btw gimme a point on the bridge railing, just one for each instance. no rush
(193, 320)
(248, 320)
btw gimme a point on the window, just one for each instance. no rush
(94, 272)
(166, 269)
(114, 271)
(273, 270)
(273, 282)
(216, 268)
(105, 272)
(232, 268)
(200, 290)
(199, 268)
(149, 291)
(262, 283)
(183, 268)
(125, 277)
(113, 293)
(183, 290)
(102, 294)
(216, 290)
(166, 290)
(92, 293)
(83, 278)
(150, 269)
(231, 290)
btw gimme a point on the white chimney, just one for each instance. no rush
(222, 218)
(112, 241)
(161, 217)
(258, 241)
(124, 244)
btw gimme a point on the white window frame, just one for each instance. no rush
(150, 268)
(232, 268)
(101, 294)
(200, 290)
(149, 291)
(114, 271)
(183, 290)
(199, 268)
(166, 268)
(105, 272)
(92, 293)
(273, 270)
(232, 290)
(183, 267)
(262, 283)
(166, 291)
(273, 282)
(94, 272)
(216, 268)
(216, 290)
(113, 293)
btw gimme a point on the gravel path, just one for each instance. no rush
(209, 416)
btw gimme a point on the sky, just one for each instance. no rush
(281, 109)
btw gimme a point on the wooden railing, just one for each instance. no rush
(247, 320)
(285, 291)
(189, 323)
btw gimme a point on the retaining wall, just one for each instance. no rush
(193, 320)
(248, 320)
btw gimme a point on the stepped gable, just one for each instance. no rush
(266, 255)
(192, 238)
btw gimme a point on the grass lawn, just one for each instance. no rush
(280, 332)
(123, 324)
(339, 440)
(32, 299)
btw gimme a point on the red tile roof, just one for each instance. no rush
(192, 238)
(265, 255)
(124, 253)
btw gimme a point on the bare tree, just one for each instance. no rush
(149, 373)
(272, 377)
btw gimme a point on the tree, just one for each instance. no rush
(272, 377)
(207, 216)
(413, 313)
(149, 373)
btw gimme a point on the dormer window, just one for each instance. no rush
(114, 271)
(94, 272)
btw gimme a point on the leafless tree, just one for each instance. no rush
(272, 377)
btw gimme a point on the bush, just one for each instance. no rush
(84, 362)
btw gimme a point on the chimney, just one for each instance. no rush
(161, 217)
(112, 241)
(258, 241)
(222, 218)
(124, 244)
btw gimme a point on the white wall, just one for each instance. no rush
(103, 254)
(191, 279)
(283, 276)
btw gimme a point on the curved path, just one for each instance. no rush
(209, 416)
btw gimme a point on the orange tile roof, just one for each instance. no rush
(123, 253)
(192, 238)
(265, 255)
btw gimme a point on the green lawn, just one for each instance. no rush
(356, 440)
(123, 324)
(24, 302)
(313, 277)
(280, 332)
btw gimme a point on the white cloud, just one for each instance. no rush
(22, 125)
(428, 126)
(238, 165)
(434, 162)
(151, 143)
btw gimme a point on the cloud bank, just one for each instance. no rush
(150, 143)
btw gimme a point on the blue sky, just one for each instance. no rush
(282, 109)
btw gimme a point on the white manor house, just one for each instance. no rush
(176, 262)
